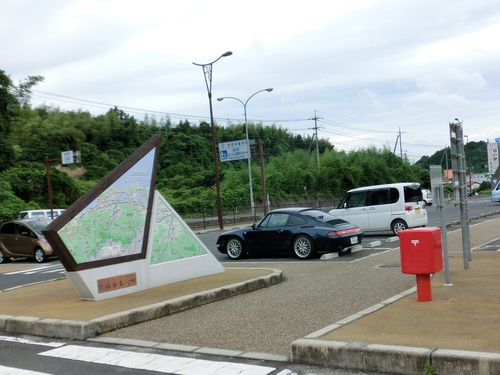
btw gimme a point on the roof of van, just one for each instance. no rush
(372, 187)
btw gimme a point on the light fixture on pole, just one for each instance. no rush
(252, 204)
(207, 73)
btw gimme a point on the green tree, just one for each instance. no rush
(10, 204)
(12, 98)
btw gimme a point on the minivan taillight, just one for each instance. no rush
(408, 208)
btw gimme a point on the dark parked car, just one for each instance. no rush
(24, 238)
(300, 231)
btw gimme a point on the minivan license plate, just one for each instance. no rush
(417, 210)
(354, 240)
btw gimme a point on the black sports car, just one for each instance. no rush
(298, 230)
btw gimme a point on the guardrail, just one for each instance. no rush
(244, 215)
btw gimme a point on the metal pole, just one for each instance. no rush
(48, 185)
(444, 237)
(264, 195)
(250, 183)
(207, 73)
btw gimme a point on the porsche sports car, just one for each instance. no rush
(298, 230)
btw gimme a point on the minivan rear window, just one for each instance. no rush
(413, 193)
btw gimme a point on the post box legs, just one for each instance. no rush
(424, 292)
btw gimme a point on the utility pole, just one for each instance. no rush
(400, 144)
(460, 183)
(316, 118)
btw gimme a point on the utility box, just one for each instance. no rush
(421, 251)
(421, 255)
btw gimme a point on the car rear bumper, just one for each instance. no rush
(336, 244)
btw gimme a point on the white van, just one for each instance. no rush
(384, 207)
(40, 213)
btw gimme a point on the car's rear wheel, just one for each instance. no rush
(399, 225)
(3, 258)
(40, 255)
(303, 247)
(235, 248)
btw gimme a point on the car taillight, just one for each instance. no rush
(408, 208)
(342, 232)
(423, 206)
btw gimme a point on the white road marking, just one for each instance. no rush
(155, 362)
(31, 342)
(16, 371)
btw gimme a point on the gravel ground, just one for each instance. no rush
(313, 296)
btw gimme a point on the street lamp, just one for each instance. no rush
(252, 204)
(207, 73)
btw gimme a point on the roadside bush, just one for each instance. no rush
(485, 186)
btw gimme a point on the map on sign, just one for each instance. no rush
(113, 224)
(172, 239)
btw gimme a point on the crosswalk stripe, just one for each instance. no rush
(26, 341)
(16, 371)
(31, 271)
(155, 362)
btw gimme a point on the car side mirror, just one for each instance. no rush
(253, 226)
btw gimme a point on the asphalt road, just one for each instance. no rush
(26, 271)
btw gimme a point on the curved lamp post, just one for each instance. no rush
(207, 73)
(252, 204)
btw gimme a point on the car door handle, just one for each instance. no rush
(372, 208)
(280, 230)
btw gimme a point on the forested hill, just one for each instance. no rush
(186, 171)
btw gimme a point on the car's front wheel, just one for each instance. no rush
(398, 225)
(235, 248)
(303, 247)
(40, 255)
(3, 258)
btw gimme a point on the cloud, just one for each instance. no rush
(451, 79)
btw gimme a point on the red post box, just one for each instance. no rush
(421, 255)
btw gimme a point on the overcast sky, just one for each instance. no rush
(367, 68)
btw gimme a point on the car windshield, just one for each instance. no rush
(39, 225)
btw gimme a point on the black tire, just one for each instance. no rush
(398, 225)
(3, 258)
(39, 255)
(234, 248)
(303, 247)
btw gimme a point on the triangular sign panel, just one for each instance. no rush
(110, 223)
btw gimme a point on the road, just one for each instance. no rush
(39, 356)
(28, 272)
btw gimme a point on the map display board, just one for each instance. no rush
(110, 223)
(172, 238)
(123, 237)
(113, 224)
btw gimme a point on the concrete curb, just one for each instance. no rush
(392, 359)
(82, 330)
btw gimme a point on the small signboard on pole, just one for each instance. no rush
(234, 150)
(67, 157)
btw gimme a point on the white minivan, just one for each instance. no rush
(393, 207)
(30, 214)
